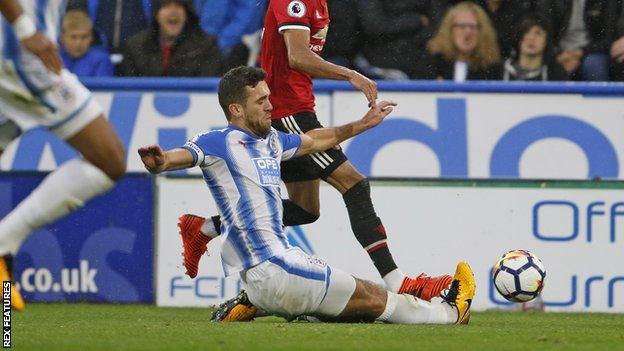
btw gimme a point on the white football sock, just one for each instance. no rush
(61, 192)
(406, 309)
(208, 228)
(394, 280)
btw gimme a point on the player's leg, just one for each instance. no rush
(333, 166)
(99, 145)
(69, 186)
(303, 202)
(196, 232)
(371, 234)
(9, 131)
(294, 283)
(78, 119)
(369, 300)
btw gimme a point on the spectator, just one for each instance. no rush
(117, 20)
(175, 45)
(505, 15)
(465, 46)
(533, 60)
(395, 32)
(617, 48)
(583, 32)
(237, 24)
(77, 52)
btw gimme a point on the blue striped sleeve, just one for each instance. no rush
(205, 145)
(290, 144)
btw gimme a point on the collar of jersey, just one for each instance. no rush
(247, 132)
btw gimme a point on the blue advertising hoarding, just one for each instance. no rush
(103, 252)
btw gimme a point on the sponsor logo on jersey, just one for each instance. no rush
(268, 170)
(296, 9)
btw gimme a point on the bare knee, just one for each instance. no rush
(113, 163)
(367, 302)
(99, 144)
(305, 194)
(116, 167)
(345, 177)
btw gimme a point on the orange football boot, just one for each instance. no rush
(425, 287)
(194, 242)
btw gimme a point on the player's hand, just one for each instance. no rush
(42, 47)
(366, 86)
(377, 113)
(153, 158)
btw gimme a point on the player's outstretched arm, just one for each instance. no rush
(324, 138)
(156, 160)
(34, 41)
(301, 58)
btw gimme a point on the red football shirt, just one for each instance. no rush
(291, 90)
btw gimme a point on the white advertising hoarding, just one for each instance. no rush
(578, 234)
(461, 135)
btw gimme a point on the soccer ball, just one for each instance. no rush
(519, 276)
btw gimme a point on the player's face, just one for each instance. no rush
(257, 109)
(77, 41)
(465, 32)
(171, 19)
(533, 42)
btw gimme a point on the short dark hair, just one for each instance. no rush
(232, 86)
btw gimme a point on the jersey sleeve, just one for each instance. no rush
(290, 144)
(203, 146)
(196, 151)
(292, 14)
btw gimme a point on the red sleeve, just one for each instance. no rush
(292, 14)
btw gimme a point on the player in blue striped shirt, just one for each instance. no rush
(241, 166)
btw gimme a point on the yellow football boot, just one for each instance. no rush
(461, 292)
(236, 309)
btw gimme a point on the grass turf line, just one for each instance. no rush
(143, 327)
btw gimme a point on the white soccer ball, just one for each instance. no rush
(519, 276)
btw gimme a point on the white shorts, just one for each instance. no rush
(294, 283)
(64, 105)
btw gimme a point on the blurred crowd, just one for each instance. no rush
(536, 40)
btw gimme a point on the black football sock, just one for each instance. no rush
(367, 227)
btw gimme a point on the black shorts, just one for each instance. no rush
(312, 166)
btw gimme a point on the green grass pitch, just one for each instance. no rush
(141, 327)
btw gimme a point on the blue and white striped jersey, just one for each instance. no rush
(15, 60)
(243, 174)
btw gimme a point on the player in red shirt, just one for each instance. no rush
(293, 38)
